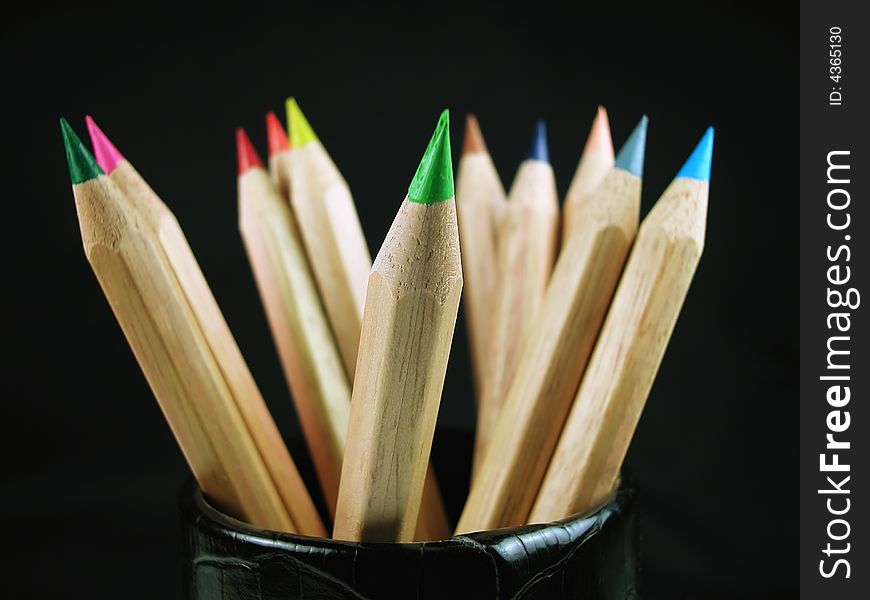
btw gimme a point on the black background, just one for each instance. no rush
(90, 470)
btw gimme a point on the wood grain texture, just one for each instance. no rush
(526, 250)
(157, 318)
(550, 369)
(480, 197)
(279, 171)
(595, 163)
(411, 306)
(628, 353)
(334, 243)
(310, 359)
(163, 225)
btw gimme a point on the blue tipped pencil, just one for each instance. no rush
(608, 405)
(561, 339)
(527, 246)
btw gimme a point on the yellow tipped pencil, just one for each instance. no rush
(595, 163)
(480, 203)
(628, 353)
(526, 249)
(574, 306)
(411, 305)
(331, 232)
(170, 346)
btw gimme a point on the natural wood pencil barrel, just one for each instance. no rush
(480, 200)
(595, 163)
(311, 363)
(331, 231)
(157, 221)
(411, 305)
(539, 398)
(527, 246)
(162, 330)
(610, 400)
(208, 315)
(574, 306)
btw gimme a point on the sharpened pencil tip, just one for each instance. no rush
(82, 166)
(699, 162)
(300, 130)
(473, 140)
(539, 151)
(105, 152)
(276, 135)
(630, 157)
(599, 139)
(433, 181)
(247, 156)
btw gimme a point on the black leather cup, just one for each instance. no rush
(591, 556)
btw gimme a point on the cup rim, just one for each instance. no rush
(196, 507)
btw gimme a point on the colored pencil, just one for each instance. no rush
(595, 163)
(527, 246)
(279, 154)
(163, 225)
(480, 202)
(311, 363)
(331, 232)
(574, 306)
(410, 314)
(306, 347)
(628, 353)
(156, 317)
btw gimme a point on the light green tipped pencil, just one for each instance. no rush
(331, 233)
(410, 313)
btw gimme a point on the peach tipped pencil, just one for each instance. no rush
(300, 330)
(163, 225)
(331, 232)
(573, 308)
(411, 305)
(594, 165)
(480, 202)
(527, 245)
(633, 339)
(170, 346)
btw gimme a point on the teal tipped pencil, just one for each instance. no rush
(410, 312)
(608, 405)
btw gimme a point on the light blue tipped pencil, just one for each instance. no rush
(586, 464)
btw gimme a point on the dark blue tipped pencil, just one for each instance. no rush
(526, 251)
(539, 150)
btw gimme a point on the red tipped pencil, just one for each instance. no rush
(279, 153)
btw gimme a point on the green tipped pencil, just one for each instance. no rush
(410, 313)
(143, 290)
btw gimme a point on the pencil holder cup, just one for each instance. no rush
(592, 556)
